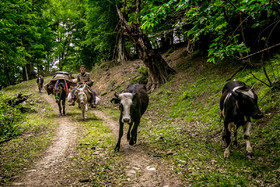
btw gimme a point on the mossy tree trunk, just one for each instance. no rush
(158, 70)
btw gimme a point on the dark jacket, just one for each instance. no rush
(85, 77)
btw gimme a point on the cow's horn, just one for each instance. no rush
(116, 95)
(236, 88)
(253, 86)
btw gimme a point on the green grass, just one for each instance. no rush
(182, 125)
(187, 122)
(184, 118)
(95, 159)
(35, 129)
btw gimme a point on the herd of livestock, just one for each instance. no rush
(238, 105)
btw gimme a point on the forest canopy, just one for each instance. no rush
(48, 35)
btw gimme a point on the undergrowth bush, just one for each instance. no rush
(142, 78)
(9, 116)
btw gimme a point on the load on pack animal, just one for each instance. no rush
(238, 104)
(132, 104)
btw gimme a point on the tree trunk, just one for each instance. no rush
(6, 71)
(166, 40)
(26, 73)
(120, 55)
(30, 70)
(60, 62)
(158, 69)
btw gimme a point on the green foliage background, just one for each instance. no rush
(49, 35)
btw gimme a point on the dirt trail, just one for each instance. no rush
(50, 169)
(144, 170)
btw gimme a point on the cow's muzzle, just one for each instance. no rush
(259, 115)
(126, 120)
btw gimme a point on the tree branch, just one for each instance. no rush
(261, 80)
(126, 26)
(248, 56)
(121, 16)
(267, 75)
(238, 70)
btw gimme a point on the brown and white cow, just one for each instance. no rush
(132, 104)
(238, 104)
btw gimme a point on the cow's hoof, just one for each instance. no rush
(117, 149)
(226, 154)
(131, 142)
(250, 155)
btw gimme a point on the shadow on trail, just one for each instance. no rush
(91, 118)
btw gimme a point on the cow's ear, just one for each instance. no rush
(115, 100)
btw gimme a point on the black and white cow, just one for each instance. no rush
(238, 104)
(132, 104)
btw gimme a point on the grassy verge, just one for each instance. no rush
(95, 163)
(34, 132)
(182, 125)
(186, 123)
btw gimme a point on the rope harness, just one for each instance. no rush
(65, 84)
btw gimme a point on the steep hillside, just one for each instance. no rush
(179, 138)
(182, 124)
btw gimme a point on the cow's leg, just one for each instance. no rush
(117, 148)
(230, 127)
(134, 133)
(227, 136)
(235, 136)
(128, 132)
(249, 150)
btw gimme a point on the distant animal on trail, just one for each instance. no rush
(40, 82)
(132, 104)
(238, 104)
(60, 92)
